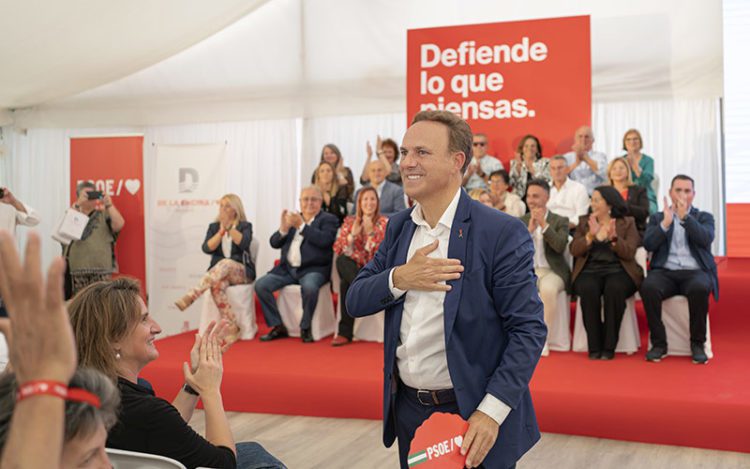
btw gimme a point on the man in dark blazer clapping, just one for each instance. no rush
(679, 239)
(306, 242)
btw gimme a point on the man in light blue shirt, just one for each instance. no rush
(682, 264)
(585, 165)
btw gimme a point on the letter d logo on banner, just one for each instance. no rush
(188, 179)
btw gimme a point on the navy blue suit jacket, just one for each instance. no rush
(494, 321)
(699, 230)
(240, 253)
(316, 248)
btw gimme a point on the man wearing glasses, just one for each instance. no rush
(306, 241)
(479, 170)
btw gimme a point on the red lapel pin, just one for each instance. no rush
(460, 232)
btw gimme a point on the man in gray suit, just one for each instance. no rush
(550, 235)
(391, 195)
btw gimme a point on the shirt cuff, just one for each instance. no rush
(394, 291)
(496, 409)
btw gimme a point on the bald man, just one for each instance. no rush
(585, 165)
(391, 195)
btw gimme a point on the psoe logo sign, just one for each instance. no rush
(188, 180)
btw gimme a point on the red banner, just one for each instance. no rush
(506, 79)
(115, 165)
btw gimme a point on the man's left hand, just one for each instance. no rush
(479, 438)
(295, 219)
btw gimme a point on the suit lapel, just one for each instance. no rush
(457, 247)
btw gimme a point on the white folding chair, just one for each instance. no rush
(241, 300)
(122, 459)
(629, 340)
(369, 328)
(290, 309)
(558, 337)
(676, 318)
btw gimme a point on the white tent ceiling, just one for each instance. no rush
(95, 63)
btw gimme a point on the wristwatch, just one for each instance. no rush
(189, 389)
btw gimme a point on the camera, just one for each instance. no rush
(93, 195)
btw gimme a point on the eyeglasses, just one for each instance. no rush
(480, 144)
(308, 200)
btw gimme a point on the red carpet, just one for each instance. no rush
(673, 402)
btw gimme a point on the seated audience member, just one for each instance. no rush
(344, 176)
(387, 151)
(641, 166)
(92, 258)
(505, 201)
(90, 411)
(482, 195)
(391, 195)
(585, 165)
(604, 249)
(228, 243)
(334, 196)
(115, 334)
(14, 212)
(636, 200)
(679, 239)
(550, 235)
(567, 198)
(46, 429)
(358, 241)
(305, 240)
(482, 166)
(528, 164)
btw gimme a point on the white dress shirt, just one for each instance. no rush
(571, 200)
(421, 358)
(226, 245)
(294, 256)
(540, 258)
(10, 217)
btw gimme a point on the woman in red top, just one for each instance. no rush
(358, 241)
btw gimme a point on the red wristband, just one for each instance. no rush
(58, 389)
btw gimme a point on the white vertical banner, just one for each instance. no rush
(187, 183)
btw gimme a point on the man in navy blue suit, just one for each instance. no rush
(464, 325)
(306, 242)
(680, 240)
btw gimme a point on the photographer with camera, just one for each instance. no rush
(92, 258)
(14, 212)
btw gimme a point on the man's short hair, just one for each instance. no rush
(502, 173)
(84, 185)
(312, 188)
(682, 177)
(460, 137)
(560, 158)
(539, 183)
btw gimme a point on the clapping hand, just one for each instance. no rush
(682, 208)
(538, 215)
(667, 211)
(367, 224)
(356, 227)
(295, 219)
(368, 148)
(43, 347)
(594, 226)
(205, 378)
(285, 225)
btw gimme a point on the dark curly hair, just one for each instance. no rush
(612, 197)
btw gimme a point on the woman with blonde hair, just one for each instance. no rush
(483, 196)
(228, 243)
(334, 196)
(344, 175)
(635, 196)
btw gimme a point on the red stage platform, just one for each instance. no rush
(673, 402)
